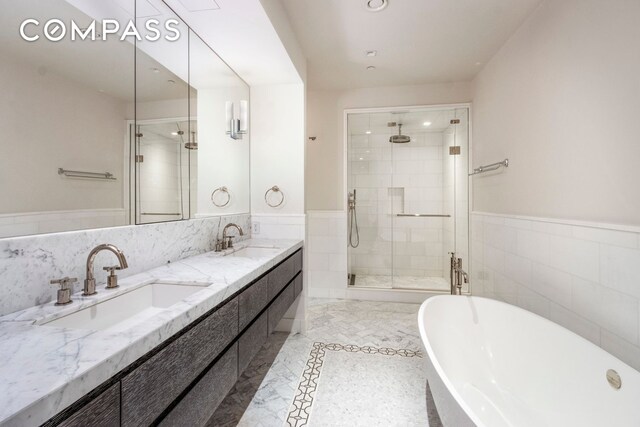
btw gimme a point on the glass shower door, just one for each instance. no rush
(408, 171)
(162, 162)
(370, 225)
(428, 196)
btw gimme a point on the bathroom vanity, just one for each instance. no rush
(172, 368)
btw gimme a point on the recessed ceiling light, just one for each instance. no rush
(426, 124)
(371, 67)
(171, 81)
(361, 158)
(372, 52)
(155, 70)
(376, 5)
(368, 132)
(174, 133)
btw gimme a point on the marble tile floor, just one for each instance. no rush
(264, 394)
(401, 282)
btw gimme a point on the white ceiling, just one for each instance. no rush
(418, 41)
(241, 32)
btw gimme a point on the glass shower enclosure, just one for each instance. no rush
(408, 197)
(165, 160)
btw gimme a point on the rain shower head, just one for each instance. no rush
(399, 138)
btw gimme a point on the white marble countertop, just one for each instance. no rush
(44, 369)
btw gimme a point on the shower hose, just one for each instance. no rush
(354, 241)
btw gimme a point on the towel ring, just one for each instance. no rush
(274, 189)
(222, 190)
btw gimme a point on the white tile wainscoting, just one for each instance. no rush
(583, 276)
(287, 226)
(327, 263)
(327, 251)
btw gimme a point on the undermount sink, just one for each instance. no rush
(127, 309)
(255, 252)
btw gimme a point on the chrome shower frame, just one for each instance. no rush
(402, 109)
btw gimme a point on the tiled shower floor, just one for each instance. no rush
(402, 282)
(359, 363)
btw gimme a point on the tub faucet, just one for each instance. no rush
(458, 275)
(226, 240)
(90, 281)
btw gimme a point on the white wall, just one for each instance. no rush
(50, 122)
(561, 100)
(224, 162)
(325, 121)
(277, 147)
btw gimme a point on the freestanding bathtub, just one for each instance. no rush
(493, 364)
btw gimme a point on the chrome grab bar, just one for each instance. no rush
(425, 215)
(491, 167)
(90, 175)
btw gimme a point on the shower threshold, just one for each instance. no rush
(399, 282)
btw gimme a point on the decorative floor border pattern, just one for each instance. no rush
(303, 400)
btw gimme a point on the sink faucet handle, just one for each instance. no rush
(64, 293)
(112, 278)
(65, 282)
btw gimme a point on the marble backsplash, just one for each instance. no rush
(27, 264)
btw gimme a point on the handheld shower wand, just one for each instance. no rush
(354, 239)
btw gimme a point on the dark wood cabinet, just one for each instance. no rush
(203, 399)
(103, 411)
(297, 284)
(153, 386)
(252, 301)
(251, 341)
(280, 276)
(183, 381)
(279, 307)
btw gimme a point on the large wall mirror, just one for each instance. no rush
(113, 130)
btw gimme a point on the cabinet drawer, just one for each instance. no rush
(103, 411)
(151, 388)
(251, 341)
(203, 399)
(279, 277)
(252, 301)
(297, 262)
(297, 285)
(279, 307)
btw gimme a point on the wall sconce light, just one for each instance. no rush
(237, 127)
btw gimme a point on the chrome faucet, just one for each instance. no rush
(90, 281)
(226, 240)
(457, 274)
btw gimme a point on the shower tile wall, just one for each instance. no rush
(162, 180)
(391, 179)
